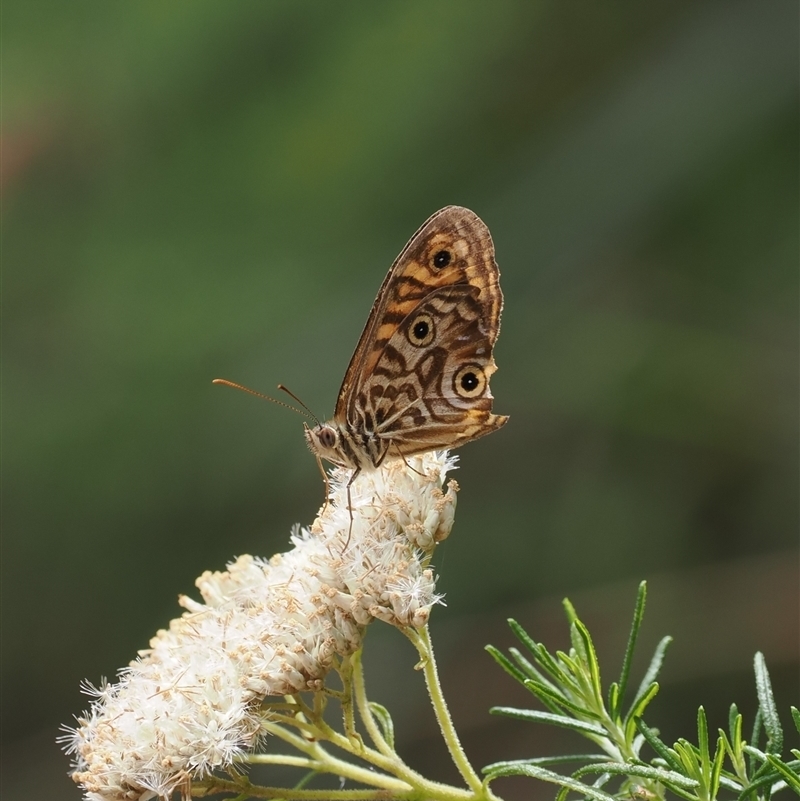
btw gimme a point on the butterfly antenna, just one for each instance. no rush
(265, 397)
(292, 395)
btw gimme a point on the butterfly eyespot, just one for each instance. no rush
(327, 437)
(421, 330)
(469, 381)
(442, 259)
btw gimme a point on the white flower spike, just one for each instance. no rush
(190, 704)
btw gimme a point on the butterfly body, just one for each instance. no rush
(419, 378)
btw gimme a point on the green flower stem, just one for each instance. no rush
(300, 743)
(215, 785)
(321, 760)
(280, 759)
(348, 712)
(324, 762)
(422, 642)
(363, 707)
(394, 765)
(397, 778)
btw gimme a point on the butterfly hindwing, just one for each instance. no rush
(430, 386)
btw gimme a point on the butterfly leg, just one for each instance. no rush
(400, 454)
(327, 485)
(350, 506)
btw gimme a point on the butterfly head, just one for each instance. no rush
(325, 440)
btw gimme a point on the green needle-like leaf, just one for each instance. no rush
(613, 699)
(766, 702)
(796, 717)
(702, 744)
(716, 769)
(526, 667)
(549, 717)
(638, 614)
(734, 745)
(506, 664)
(658, 745)
(384, 719)
(638, 709)
(754, 739)
(539, 652)
(550, 760)
(578, 646)
(572, 615)
(689, 759)
(642, 771)
(787, 773)
(566, 782)
(590, 655)
(553, 699)
(653, 670)
(734, 721)
(765, 781)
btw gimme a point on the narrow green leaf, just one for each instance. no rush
(385, 721)
(796, 717)
(766, 702)
(572, 615)
(757, 757)
(549, 717)
(733, 717)
(590, 655)
(702, 744)
(638, 710)
(540, 653)
(765, 781)
(642, 771)
(638, 614)
(734, 749)
(790, 776)
(526, 667)
(734, 746)
(730, 782)
(553, 699)
(613, 699)
(756, 736)
(562, 794)
(689, 759)
(566, 782)
(602, 780)
(506, 664)
(756, 753)
(716, 769)
(551, 760)
(660, 747)
(653, 670)
(304, 781)
(577, 643)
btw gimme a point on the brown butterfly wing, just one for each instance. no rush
(419, 379)
(413, 275)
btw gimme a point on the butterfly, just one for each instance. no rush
(419, 378)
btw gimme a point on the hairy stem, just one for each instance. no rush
(422, 641)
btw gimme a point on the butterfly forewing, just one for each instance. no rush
(453, 246)
(419, 378)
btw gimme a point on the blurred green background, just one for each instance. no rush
(204, 189)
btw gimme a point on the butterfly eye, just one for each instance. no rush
(327, 437)
(421, 330)
(442, 259)
(469, 381)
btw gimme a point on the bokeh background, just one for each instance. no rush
(204, 189)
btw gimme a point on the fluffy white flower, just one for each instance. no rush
(191, 702)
